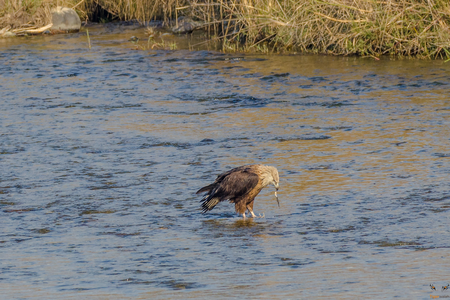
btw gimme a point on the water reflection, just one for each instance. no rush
(102, 151)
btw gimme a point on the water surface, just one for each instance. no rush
(102, 150)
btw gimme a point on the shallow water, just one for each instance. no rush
(102, 150)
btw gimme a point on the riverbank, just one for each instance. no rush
(412, 28)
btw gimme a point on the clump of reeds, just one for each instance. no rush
(22, 13)
(126, 10)
(418, 28)
(17, 13)
(365, 27)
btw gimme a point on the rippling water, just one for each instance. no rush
(101, 153)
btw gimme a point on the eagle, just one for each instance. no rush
(240, 186)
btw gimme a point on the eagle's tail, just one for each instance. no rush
(209, 203)
(205, 188)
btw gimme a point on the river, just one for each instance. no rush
(103, 149)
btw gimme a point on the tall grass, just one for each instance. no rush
(17, 13)
(125, 10)
(418, 28)
(365, 27)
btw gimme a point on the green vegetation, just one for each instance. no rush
(419, 28)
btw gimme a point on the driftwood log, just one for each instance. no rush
(23, 31)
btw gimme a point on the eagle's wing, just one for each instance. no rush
(219, 179)
(235, 184)
(229, 185)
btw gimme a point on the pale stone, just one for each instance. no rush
(8, 34)
(64, 18)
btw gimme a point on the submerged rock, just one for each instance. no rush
(185, 25)
(65, 19)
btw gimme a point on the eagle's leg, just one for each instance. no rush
(251, 211)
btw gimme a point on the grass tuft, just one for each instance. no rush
(419, 28)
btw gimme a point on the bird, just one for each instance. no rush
(240, 186)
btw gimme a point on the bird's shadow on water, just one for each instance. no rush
(238, 227)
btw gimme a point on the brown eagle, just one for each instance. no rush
(240, 186)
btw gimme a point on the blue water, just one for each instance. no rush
(102, 151)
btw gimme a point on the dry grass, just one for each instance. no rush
(418, 28)
(365, 27)
(20, 13)
(125, 10)
(17, 13)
